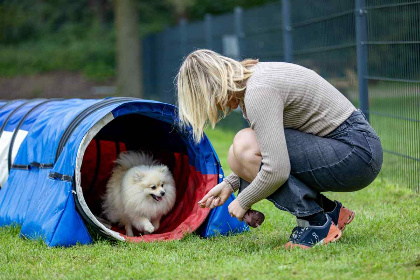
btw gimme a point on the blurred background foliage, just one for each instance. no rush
(38, 36)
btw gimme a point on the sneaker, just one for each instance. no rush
(306, 236)
(341, 216)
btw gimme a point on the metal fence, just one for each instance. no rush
(368, 49)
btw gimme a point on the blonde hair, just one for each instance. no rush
(206, 82)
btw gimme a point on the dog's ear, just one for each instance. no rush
(163, 168)
(138, 175)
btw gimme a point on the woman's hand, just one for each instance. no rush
(216, 196)
(235, 210)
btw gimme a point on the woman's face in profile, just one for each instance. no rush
(233, 103)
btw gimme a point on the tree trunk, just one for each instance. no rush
(128, 51)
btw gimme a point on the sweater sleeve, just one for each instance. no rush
(264, 107)
(233, 181)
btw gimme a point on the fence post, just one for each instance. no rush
(362, 55)
(208, 31)
(183, 35)
(149, 65)
(287, 31)
(154, 68)
(239, 31)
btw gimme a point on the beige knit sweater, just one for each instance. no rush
(282, 95)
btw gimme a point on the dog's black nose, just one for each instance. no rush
(162, 193)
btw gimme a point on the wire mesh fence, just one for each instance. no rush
(368, 49)
(394, 84)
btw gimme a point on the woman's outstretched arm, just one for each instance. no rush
(265, 108)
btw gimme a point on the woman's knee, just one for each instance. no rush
(245, 147)
(245, 144)
(244, 156)
(233, 162)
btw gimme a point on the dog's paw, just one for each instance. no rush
(156, 224)
(149, 228)
(129, 231)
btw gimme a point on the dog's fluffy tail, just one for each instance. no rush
(130, 159)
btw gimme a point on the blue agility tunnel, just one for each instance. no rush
(57, 155)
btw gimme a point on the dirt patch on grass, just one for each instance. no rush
(62, 84)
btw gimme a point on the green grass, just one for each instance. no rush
(383, 242)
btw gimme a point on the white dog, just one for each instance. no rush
(139, 192)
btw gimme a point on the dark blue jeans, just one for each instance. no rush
(346, 160)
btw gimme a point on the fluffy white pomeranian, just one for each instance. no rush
(139, 192)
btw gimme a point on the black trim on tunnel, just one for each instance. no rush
(12, 113)
(21, 166)
(15, 132)
(83, 115)
(7, 104)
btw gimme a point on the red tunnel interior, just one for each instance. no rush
(166, 146)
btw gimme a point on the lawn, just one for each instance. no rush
(383, 242)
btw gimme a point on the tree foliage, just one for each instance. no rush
(79, 35)
(25, 20)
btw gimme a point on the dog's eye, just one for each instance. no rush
(162, 185)
(153, 187)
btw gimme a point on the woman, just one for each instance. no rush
(304, 138)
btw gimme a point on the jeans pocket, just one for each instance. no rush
(375, 148)
(342, 136)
